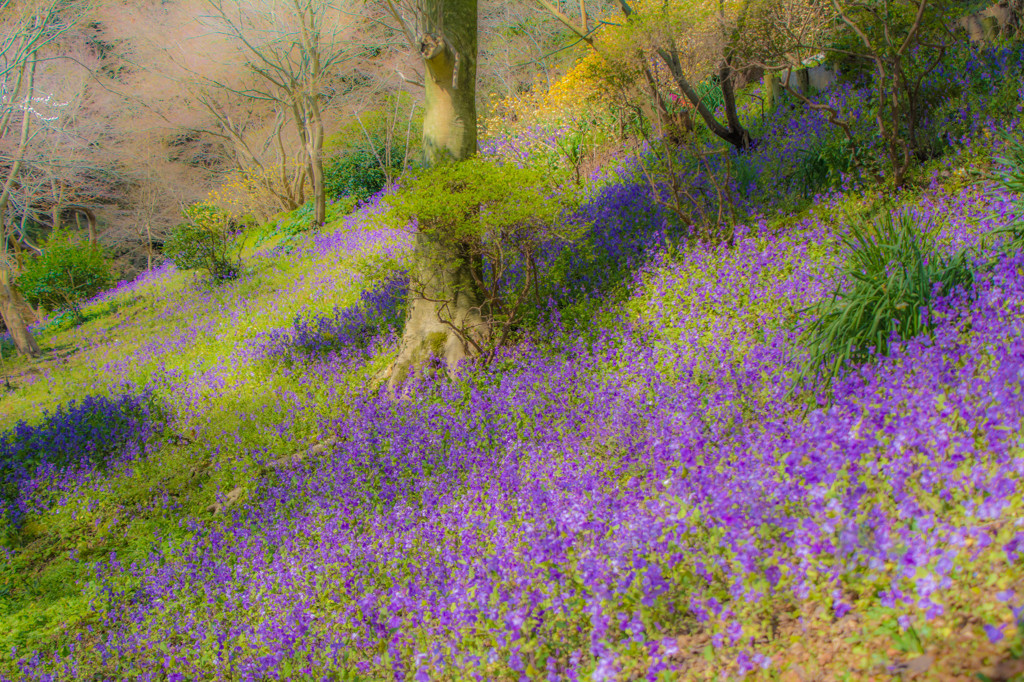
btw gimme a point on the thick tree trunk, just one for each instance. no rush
(449, 51)
(444, 316)
(12, 317)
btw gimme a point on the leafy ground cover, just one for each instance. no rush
(644, 488)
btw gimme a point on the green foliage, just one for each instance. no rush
(573, 147)
(498, 220)
(479, 199)
(371, 151)
(291, 225)
(896, 47)
(710, 92)
(204, 243)
(894, 274)
(363, 172)
(7, 347)
(745, 172)
(823, 165)
(1011, 176)
(67, 273)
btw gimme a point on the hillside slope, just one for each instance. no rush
(642, 488)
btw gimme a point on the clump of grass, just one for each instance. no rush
(891, 281)
(1011, 176)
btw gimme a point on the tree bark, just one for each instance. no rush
(315, 149)
(734, 133)
(9, 298)
(448, 47)
(10, 302)
(149, 245)
(444, 314)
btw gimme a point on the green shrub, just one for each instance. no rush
(502, 220)
(893, 274)
(823, 165)
(372, 148)
(299, 221)
(358, 174)
(204, 243)
(7, 347)
(67, 273)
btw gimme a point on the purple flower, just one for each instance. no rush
(995, 634)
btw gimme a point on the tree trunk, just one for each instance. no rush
(674, 126)
(9, 298)
(149, 245)
(90, 217)
(444, 315)
(772, 91)
(315, 141)
(740, 136)
(734, 133)
(12, 317)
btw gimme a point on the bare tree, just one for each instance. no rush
(290, 47)
(28, 31)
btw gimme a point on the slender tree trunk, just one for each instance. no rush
(315, 141)
(734, 133)
(444, 313)
(312, 125)
(673, 125)
(149, 245)
(90, 218)
(740, 136)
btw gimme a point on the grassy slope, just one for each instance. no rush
(235, 414)
(169, 326)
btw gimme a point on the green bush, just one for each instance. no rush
(502, 220)
(893, 274)
(204, 243)
(372, 148)
(67, 273)
(823, 165)
(358, 174)
(299, 221)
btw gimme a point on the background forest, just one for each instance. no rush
(445, 340)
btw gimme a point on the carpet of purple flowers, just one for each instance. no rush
(83, 435)
(655, 496)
